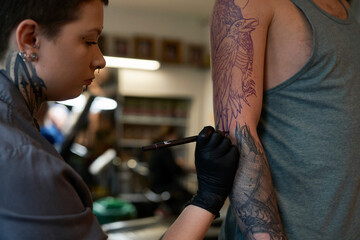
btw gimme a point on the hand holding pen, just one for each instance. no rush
(216, 161)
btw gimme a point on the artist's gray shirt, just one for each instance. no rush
(310, 131)
(41, 197)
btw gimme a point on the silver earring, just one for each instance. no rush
(23, 55)
(33, 57)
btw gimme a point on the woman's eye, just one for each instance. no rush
(91, 43)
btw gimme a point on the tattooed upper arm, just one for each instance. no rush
(238, 41)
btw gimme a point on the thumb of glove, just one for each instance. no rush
(204, 136)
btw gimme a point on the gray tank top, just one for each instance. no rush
(310, 130)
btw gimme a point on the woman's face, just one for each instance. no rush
(67, 63)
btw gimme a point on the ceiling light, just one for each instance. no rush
(103, 103)
(99, 103)
(142, 64)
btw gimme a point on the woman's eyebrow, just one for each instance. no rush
(97, 30)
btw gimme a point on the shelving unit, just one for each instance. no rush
(141, 119)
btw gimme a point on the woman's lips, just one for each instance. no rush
(88, 81)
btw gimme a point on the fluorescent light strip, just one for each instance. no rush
(99, 103)
(118, 62)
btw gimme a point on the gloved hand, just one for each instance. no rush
(216, 164)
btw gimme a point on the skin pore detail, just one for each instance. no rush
(24, 76)
(254, 205)
(253, 199)
(233, 50)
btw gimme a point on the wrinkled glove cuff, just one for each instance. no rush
(212, 204)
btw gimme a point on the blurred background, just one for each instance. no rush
(100, 134)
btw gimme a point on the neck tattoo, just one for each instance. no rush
(24, 76)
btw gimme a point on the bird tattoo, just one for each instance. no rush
(232, 51)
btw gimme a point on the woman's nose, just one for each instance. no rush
(99, 61)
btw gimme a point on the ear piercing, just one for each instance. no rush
(22, 54)
(25, 57)
(32, 57)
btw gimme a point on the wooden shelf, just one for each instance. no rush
(143, 118)
(134, 143)
(153, 120)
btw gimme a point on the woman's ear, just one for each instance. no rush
(27, 39)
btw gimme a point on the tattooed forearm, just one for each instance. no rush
(232, 50)
(253, 198)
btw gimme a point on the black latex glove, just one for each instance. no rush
(216, 162)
